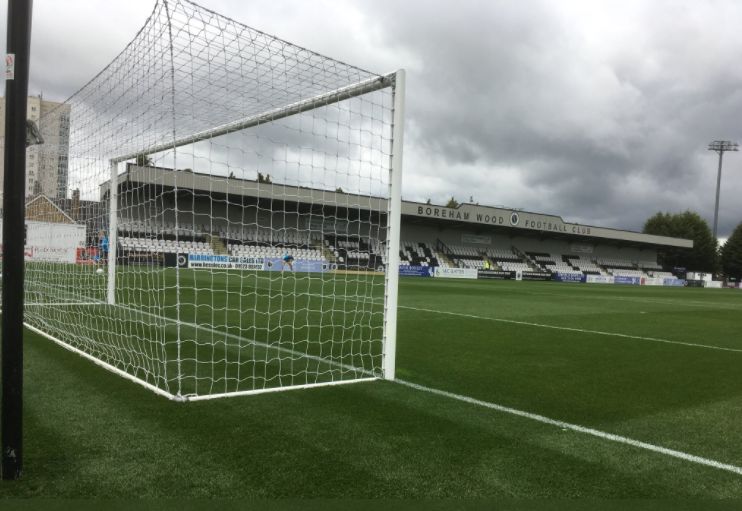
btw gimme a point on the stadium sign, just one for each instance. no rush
(523, 220)
(495, 216)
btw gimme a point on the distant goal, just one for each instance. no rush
(229, 218)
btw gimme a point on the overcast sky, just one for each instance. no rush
(597, 111)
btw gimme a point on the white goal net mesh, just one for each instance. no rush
(242, 245)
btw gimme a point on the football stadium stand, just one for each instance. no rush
(488, 239)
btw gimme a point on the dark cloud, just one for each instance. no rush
(596, 111)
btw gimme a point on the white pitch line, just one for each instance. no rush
(572, 329)
(637, 299)
(493, 406)
(692, 458)
(59, 304)
(205, 328)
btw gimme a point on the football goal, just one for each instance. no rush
(228, 213)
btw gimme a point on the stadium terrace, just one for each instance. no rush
(248, 217)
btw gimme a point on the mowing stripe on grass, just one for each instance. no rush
(692, 458)
(485, 404)
(572, 329)
(205, 328)
(635, 299)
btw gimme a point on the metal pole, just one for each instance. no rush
(112, 234)
(16, 94)
(335, 96)
(720, 146)
(389, 362)
(718, 188)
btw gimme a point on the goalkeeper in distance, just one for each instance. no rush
(287, 260)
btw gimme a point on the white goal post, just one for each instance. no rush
(241, 199)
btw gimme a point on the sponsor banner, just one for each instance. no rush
(536, 276)
(416, 271)
(715, 284)
(456, 273)
(652, 281)
(626, 280)
(599, 279)
(49, 254)
(673, 282)
(493, 274)
(51, 242)
(299, 265)
(225, 262)
(476, 240)
(568, 277)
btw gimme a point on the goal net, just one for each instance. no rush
(227, 215)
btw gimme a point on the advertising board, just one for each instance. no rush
(456, 273)
(626, 280)
(568, 277)
(416, 271)
(599, 279)
(225, 262)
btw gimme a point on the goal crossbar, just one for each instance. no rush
(328, 98)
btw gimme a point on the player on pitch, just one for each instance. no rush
(287, 260)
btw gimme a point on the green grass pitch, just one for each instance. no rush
(544, 348)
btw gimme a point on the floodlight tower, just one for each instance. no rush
(720, 146)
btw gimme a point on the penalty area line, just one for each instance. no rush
(684, 456)
(572, 329)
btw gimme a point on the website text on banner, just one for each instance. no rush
(456, 273)
(568, 277)
(225, 262)
(416, 271)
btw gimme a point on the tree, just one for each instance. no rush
(143, 160)
(428, 201)
(731, 255)
(264, 178)
(452, 203)
(339, 189)
(689, 225)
